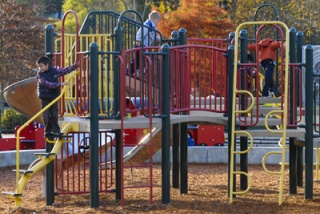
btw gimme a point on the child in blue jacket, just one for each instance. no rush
(48, 90)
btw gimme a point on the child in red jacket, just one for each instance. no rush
(267, 56)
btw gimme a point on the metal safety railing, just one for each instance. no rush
(198, 78)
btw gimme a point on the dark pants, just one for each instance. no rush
(50, 117)
(135, 63)
(268, 67)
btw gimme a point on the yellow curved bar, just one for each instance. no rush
(264, 162)
(267, 118)
(252, 102)
(249, 182)
(25, 125)
(251, 141)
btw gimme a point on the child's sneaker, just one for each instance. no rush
(55, 134)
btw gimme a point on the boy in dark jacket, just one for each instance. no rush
(48, 90)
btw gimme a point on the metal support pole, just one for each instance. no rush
(243, 140)
(94, 127)
(183, 158)
(309, 124)
(182, 36)
(175, 155)
(175, 131)
(300, 43)
(292, 113)
(118, 47)
(165, 106)
(178, 128)
(230, 110)
(116, 107)
(174, 37)
(231, 37)
(49, 48)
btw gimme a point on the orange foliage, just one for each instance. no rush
(201, 18)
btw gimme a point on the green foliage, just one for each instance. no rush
(10, 119)
(83, 7)
(166, 5)
(299, 14)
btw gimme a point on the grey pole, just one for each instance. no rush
(94, 127)
(243, 140)
(49, 48)
(309, 124)
(165, 106)
(292, 113)
(300, 43)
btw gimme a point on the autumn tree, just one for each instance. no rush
(21, 40)
(201, 18)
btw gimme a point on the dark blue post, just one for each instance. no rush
(175, 132)
(119, 144)
(118, 47)
(49, 48)
(243, 86)
(230, 110)
(183, 135)
(182, 36)
(175, 155)
(165, 106)
(300, 43)
(94, 127)
(174, 37)
(184, 158)
(49, 42)
(231, 37)
(292, 113)
(309, 123)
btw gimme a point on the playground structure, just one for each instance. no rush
(31, 138)
(169, 94)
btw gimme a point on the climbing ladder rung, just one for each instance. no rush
(14, 194)
(64, 138)
(44, 154)
(265, 133)
(24, 171)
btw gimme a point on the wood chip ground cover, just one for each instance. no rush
(207, 193)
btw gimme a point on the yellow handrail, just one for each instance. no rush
(27, 123)
(41, 164)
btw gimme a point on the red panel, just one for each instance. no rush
(7, 144)
(210, 135)
(39, 137)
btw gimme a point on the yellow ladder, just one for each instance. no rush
(234, 132)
